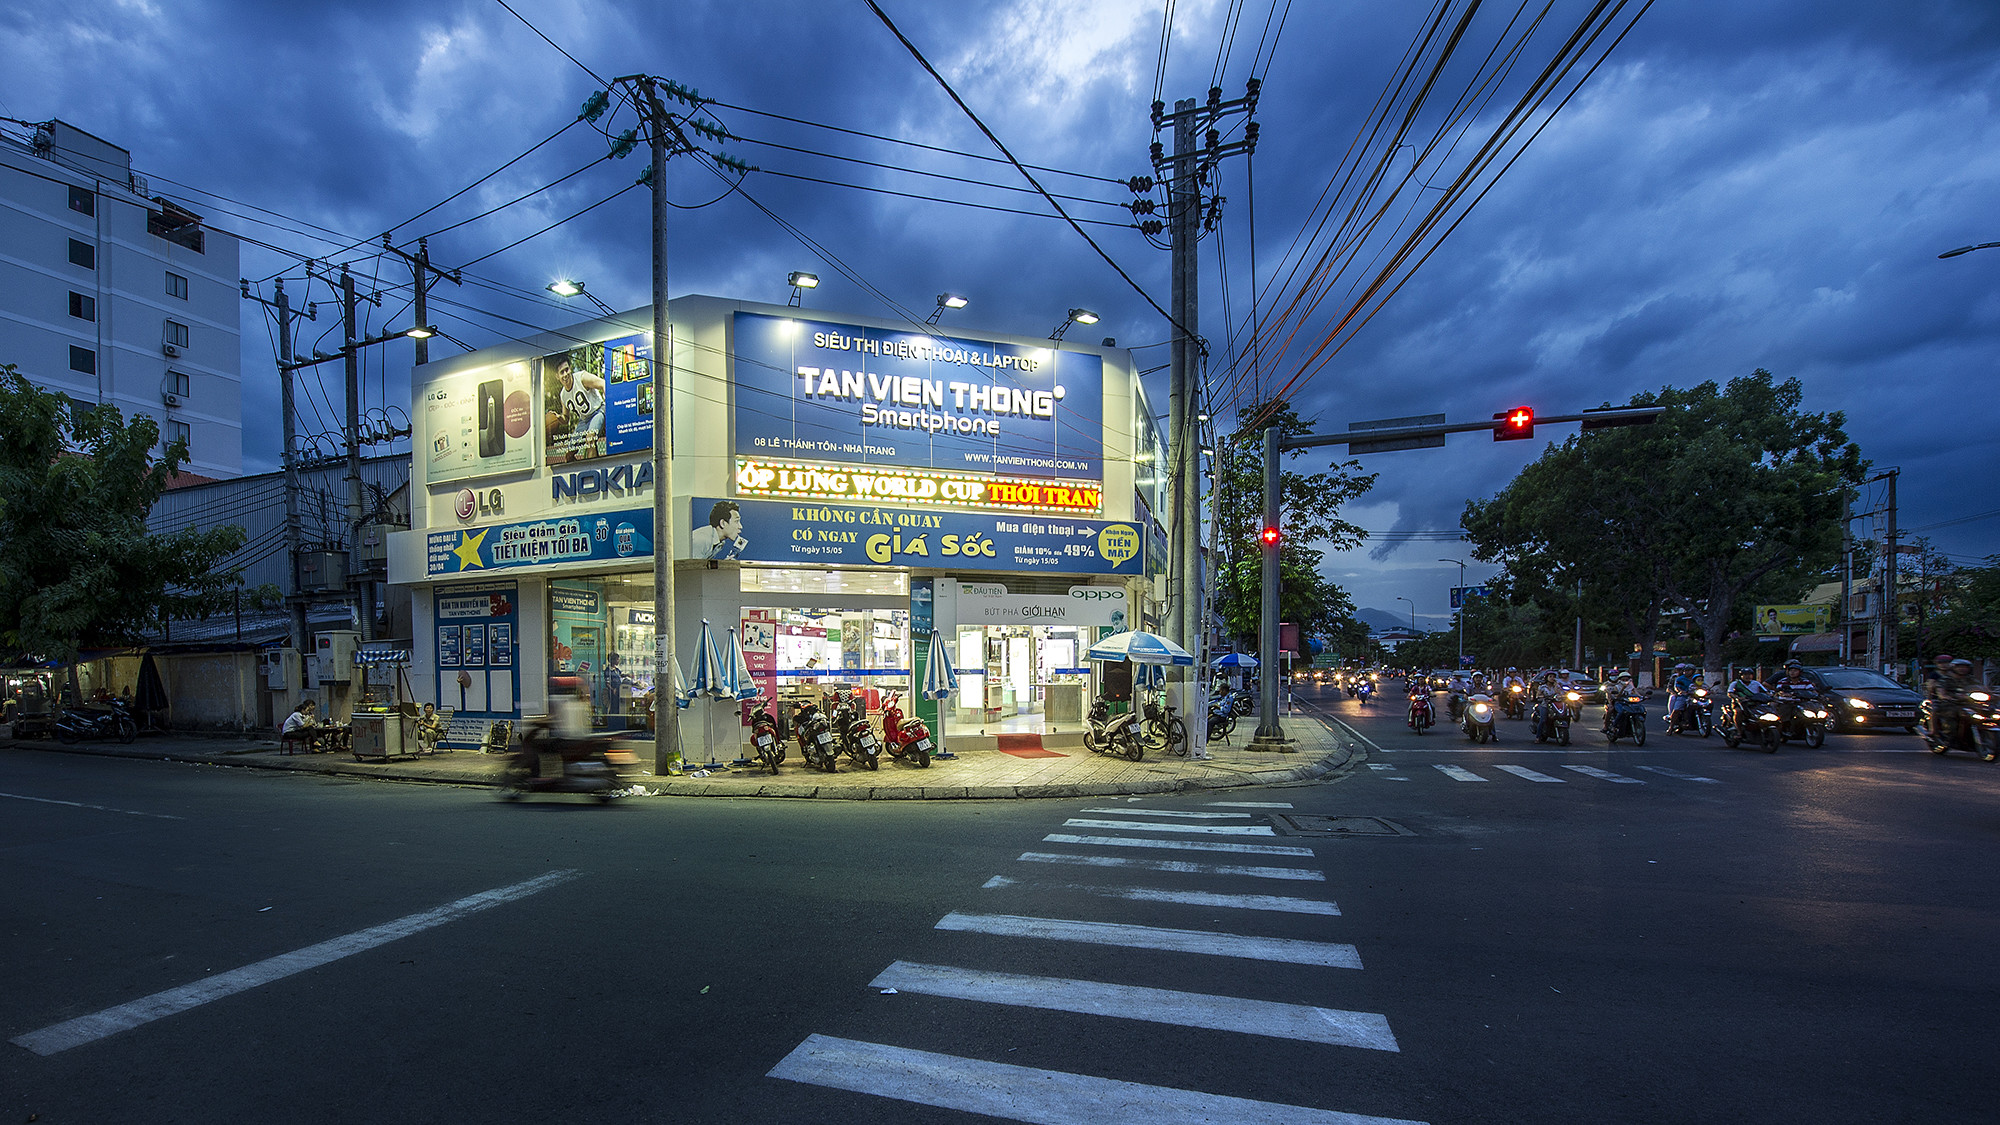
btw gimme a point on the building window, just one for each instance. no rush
(82, 359)
(82, 306)
(82, 254)
(177, 432)
(82, 200)
(177, 286)
(177, 334)
(177, 383)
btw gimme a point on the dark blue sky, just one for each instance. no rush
(1743, 184)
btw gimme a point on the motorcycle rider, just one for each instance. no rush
(1679, 688)
(1948, 711)
(1623, 686)
(1935, 679)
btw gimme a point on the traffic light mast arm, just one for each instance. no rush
(1591, 419)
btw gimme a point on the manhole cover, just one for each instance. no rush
(1305, 824)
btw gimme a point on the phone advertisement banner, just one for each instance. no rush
(818, 391)
(597, 400)
(479, 424)
(773, 531)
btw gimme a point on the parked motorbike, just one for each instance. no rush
(764, 734)
(1969, 719)
(1478, 720)
(591, 764)
(100, 722)
(1758, 719)
(1625, 717)
(815, 737)
(851, 730)
(908, 739)
(1114, 734)
(1421, 714)
(1549, 719)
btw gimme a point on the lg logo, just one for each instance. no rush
(472, 503)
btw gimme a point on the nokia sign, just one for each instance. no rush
(601, 484)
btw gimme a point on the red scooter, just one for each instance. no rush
(1421, 715)
(910, 740)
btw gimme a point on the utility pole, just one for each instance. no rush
(1846, 576)
(295, 600)
(1187, 613)
(427, 275)
(666, 735)
(365, 592)
(1270, 729)
(1891, 612)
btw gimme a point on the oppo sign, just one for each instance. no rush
(989, 604)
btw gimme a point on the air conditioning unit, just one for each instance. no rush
(173, 351)
(174, 400)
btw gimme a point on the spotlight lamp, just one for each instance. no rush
(946, 301)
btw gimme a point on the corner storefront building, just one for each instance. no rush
(843, 486)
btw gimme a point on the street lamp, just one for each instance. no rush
(1461, 608)
(1076, 316)
(1968, 249)
(801, 281)
(1413, 615)
(570, 287)
(946, 301)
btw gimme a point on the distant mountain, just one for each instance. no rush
(1380, 619)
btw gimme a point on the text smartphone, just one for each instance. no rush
(492, 419)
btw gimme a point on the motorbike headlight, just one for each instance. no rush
(1768, 717)
(1516, 689)
(1633, 699)
(1701, 692)
(1978, 696)
(1859, 704)
(1573, 697)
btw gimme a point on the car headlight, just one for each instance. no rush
(1860, 704)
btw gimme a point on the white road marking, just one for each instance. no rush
(1020, 1093)
(1249, 804)
(124, 1017)
(1180, 867)
(1132, 810)
(1679, 776)
(1605, 775)
(1458, 773)
(1153, 1005)
(1380, 766)
(1189, 898)
(1295, 951)
(1175, 845)
(81, 805)
(1531, 775)
(1157, 826)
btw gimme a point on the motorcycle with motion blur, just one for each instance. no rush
(1696, 713)
(1548, 719)
(1808, 719)
(592, 764)
(1625, 717)
(1968, 719)
(1478, 720)
(1365, 692)
(1758, 718)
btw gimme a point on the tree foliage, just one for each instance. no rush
(1310, 520)
(1735, 494)
(77, 566)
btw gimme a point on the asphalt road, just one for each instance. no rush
(1800, 938)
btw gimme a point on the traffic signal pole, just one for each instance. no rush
(1270, 729)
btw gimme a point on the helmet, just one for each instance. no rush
(1791, 664)
(1961, 662)
(1944, 658)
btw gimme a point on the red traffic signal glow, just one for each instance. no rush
(1515, 424)
(1269, 535)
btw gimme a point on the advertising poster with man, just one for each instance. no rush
(597, 400)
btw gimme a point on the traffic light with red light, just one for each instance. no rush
(1269, 536)
(1515, 424)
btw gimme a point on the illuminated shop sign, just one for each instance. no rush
(795, 531)
(598, 484)
(915, 400)
(598, 536)
(915, 486)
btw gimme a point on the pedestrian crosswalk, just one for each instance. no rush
(1186, 898)
(1396, 771)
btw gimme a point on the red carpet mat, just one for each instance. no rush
(1025, 746)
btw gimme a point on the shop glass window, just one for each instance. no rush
(82, 254)
(82, 200)
(177, 286)
(177, 334)
(82, 306)
(601, 644)
(82, 359)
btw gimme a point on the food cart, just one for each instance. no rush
(385, 723)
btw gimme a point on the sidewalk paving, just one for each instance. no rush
(1322, 748)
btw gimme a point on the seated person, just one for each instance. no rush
(302, 727)
(430, 729)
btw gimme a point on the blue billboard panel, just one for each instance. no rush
(597, 400)
(611, 536)
(779, 531)
(819, 391)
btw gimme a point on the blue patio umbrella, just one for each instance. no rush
(712, 679)
(1140, 647)
(1152, 676)
(940, 682)
(1234, 660)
